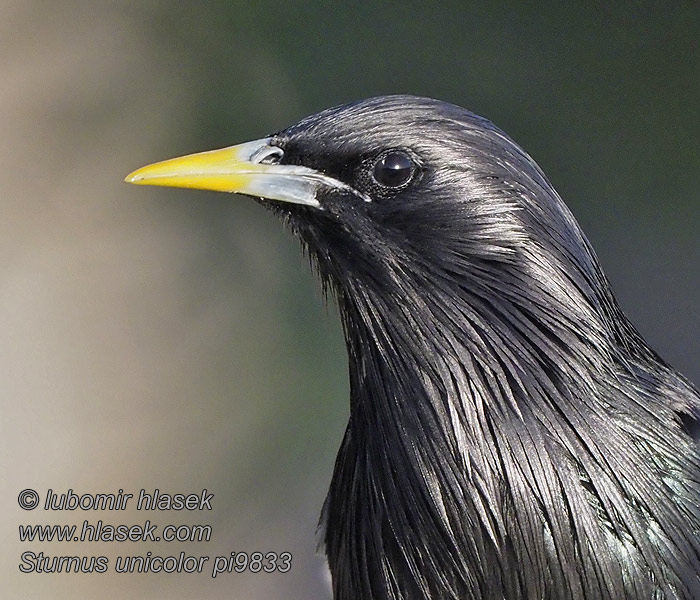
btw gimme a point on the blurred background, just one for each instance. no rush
(173, 339)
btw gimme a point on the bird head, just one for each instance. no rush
(390, 191)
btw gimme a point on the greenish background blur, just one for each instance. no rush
(175, 339)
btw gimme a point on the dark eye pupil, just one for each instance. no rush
(393, 169)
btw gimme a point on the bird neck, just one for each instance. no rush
(460, 408)
(419, 446)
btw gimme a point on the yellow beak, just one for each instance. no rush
(251, 168)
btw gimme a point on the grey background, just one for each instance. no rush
(175, 339)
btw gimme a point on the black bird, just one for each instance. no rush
(511, 435)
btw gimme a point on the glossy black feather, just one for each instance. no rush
(511, 435)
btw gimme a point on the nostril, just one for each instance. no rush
(267, 155)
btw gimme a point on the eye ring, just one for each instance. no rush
(394, 169)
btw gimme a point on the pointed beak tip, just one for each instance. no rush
(134, 177)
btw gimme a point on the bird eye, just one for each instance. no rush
(393, 169)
